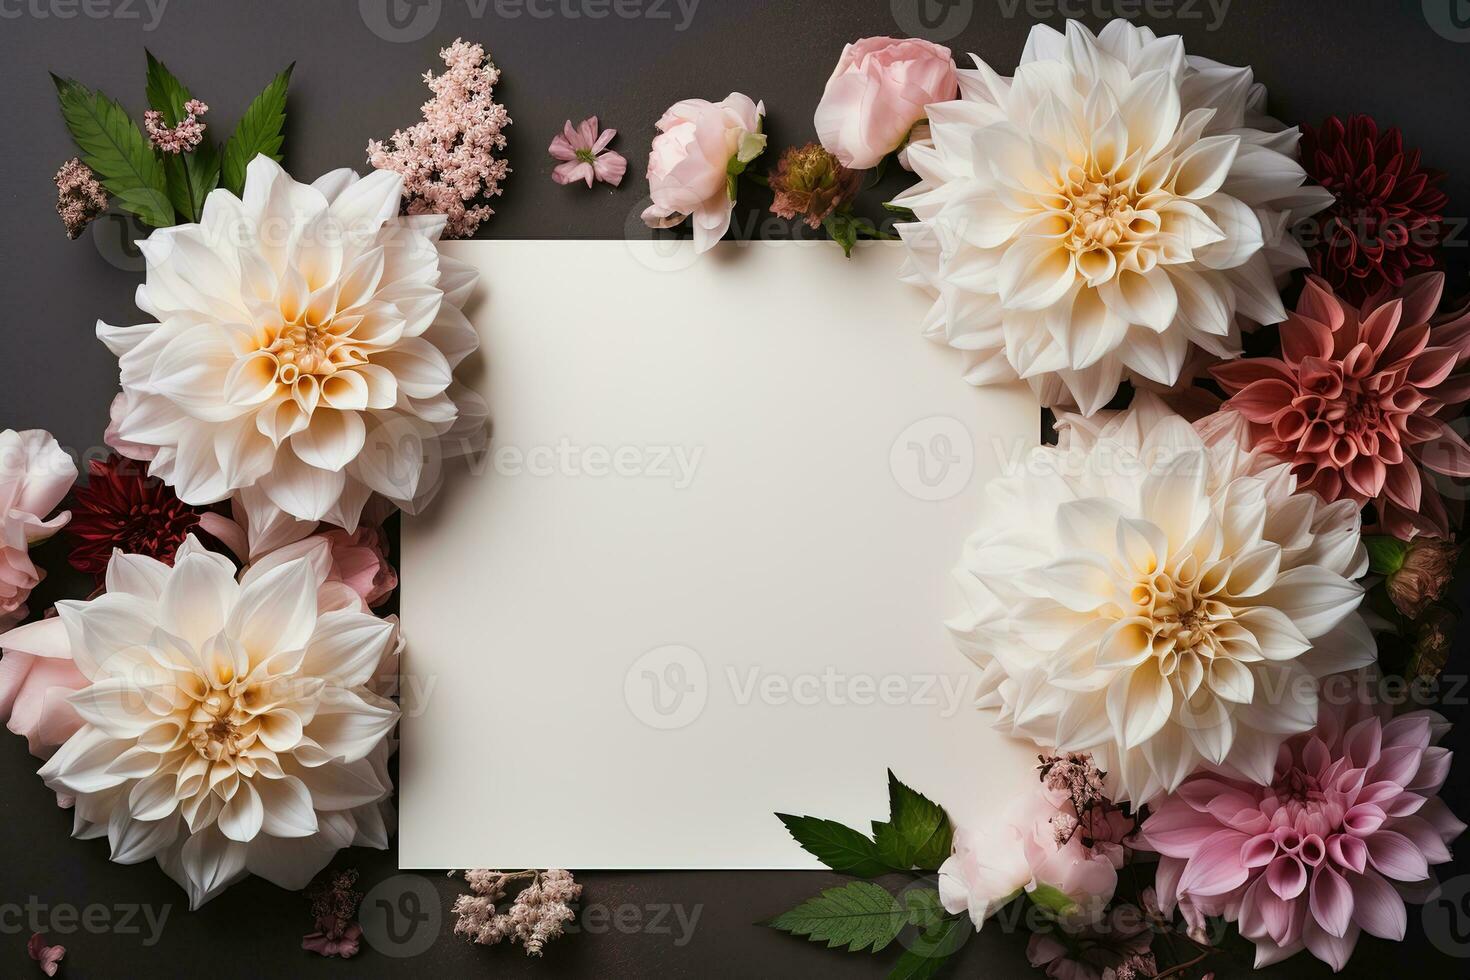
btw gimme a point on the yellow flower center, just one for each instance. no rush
(219, 728)
(1109, 220)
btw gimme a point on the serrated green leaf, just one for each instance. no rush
(837, 846)
(260, 131)
(931, 951)
(117, 151)
(165, 92)
(859, 915)
(918, 833)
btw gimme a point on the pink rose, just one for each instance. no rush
(36, 678)
(34, 477)
(700, 150)
(1037, 845)
(360, 559)
(880, 89)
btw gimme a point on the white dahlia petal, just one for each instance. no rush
(1135, 592)
(227, 727)
(1115, 163)
(291, 322)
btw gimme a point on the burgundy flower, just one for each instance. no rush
(1385, 223)
(122, 507)
(1359, 399)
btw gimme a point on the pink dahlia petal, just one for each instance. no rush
(1397, 856)
(1330, 949)
(1216, 868)
(1331, 900)
(1378, 907)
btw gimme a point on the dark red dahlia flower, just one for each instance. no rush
(1386, 221)
(122, 507)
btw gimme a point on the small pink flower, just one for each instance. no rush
(585, 156)
(880, 89)
(182, 138)
(1349, 826)
(49, 957)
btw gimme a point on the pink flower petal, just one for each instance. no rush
(1331, 900)
(1378, 907)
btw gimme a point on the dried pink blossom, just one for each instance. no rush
(182, 138)
(334, 907)
(49, 957)
(449, 159)
(79, 197)
(584, 155)
(538, 915)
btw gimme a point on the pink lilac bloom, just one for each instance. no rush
(1360, 399)
(584, 155)
(1349, 827)
(79, 197)
(182, 138)
(449, 160)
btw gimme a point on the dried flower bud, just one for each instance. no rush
(809, 183)
(79, 197)
(1431, 644)
(1427, 568)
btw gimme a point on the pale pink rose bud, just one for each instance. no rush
(880, 90)
(701, 148)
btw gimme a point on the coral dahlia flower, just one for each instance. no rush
(1112, 205)
(1348, 826)
(1359, 399)
(1152, 593)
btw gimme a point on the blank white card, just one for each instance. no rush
(703, 571)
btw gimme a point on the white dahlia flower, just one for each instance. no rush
(229, 727)
(305, 343)
(1110, 205)
(1150, 592)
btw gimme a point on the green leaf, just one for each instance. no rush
(114, 147)
(1052, 901)
(859, 915)
(838, 847)
(929, 953)
(918, 833)
(904, 214)
(165, 92)
(261, 130)
(842, 229)
(190, 176)
(1385, 554)
(925, 909)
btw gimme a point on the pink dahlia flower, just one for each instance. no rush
(1349, 826)
(1359, 398)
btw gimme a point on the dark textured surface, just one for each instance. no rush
(1317, 57)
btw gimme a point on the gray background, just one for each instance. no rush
(1403, 62)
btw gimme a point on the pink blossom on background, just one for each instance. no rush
(1119, 947)
(182, 138)
(79, 197)
(450, 159)
(698, 145)
(35, 475)
(49, 957)
(37, 676)
(1359, 400)
(585, 156)
(360, 560)
(1349, 826)
(879, 91)
(1045, 839)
